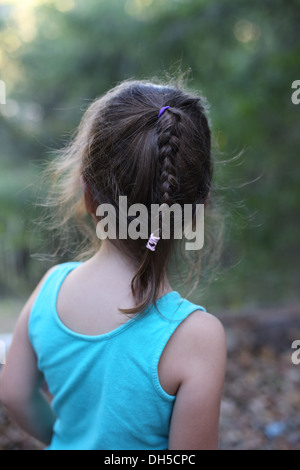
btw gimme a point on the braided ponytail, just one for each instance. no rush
(168, 130)
(168, 145)
(169, 133)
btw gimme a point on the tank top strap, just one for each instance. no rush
(173, 310)
(47, 296)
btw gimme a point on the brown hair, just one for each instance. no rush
(121, 148)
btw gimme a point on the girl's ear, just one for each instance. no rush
(87, 196)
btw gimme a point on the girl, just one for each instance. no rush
(130, 363)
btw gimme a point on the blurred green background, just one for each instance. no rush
(58, 55)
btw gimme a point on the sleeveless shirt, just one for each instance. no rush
(106, 389)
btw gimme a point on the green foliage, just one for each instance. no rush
(243, 56)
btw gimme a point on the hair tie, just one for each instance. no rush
(162, 110)
(152, 242)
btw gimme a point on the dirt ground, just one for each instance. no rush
(261, 400)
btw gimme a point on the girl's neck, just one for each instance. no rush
(111, 258)
(110, 254)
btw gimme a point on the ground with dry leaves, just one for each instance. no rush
(261, 400)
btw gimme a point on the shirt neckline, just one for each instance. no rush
(108, 334)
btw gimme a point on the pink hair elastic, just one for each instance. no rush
(162, 110)
(152, 242)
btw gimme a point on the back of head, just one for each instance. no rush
(123, 148)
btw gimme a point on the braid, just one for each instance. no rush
(169, 133)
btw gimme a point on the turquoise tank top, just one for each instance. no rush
(106, 389)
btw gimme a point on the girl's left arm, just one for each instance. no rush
(21, 381)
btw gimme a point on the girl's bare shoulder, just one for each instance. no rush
(200, 335)
(197, 345)
(200, 326)
(203, 325)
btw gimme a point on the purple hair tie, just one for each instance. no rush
(162, 110)
(152, 242)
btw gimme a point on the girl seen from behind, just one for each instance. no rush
(130, 364)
